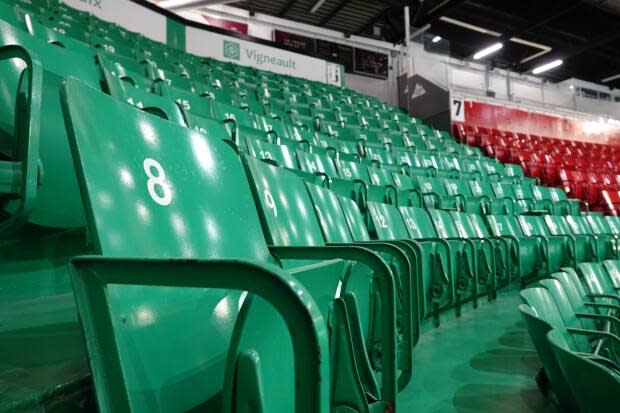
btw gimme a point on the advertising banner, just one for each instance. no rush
(228, 48)
(125, 13)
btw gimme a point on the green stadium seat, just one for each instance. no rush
(338, 229)
(278, 155)
(293, 230)
(142, 287)
(387, 224)
(541, 316)
(594, 383)
(36, 146)
(529, 253)
(149, 102)
(605, 243)
(582, 247)
(480, 205)
(435, 195)
(478, 257)
(557, 247)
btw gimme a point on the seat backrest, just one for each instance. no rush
(317, 163)
(466, 227)
(613, 270)
(352, 171)
(285, 205)
(533, 225)
(418, 222)
(544, 306)
(170, 192)
(598, 224)
(557, 225)
(567, 311)
(272, 153)
(386, 222)
(578, 225)
(501, 225)
(331, 216)
(444, 224)
(354, 218)
(596, 278)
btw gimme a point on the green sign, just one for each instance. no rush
(232, 50)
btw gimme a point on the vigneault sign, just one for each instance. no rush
(205, 43)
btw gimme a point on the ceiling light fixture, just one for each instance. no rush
(436, 39)
(179, 5)
(610, 78)
(488, 50)
(316, 6)
(547, 66)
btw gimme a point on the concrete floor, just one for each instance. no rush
(483, 362)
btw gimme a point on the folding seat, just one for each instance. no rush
(164, 288)
(187, 101)
(595, 227)
(601, 228)
(411, 164)
(172, 79)
(278, 155)
(528, 253)
(598, 283)
(126, 69)
(541, 316)
(481, 251)
(594, 384)
(244, 123)
(431, 161)
(506, 192)
(557, 247)
(525, 192)
(435, 195)
(435, 256)
(382, 156)
(347, 228)
(582, 246)
(146, 101)
(57, 38)
(475, 226)
(473, 204)
(355, 182)
(498, 205)
(284, 207)
(612, 267)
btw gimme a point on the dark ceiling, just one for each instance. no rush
(584, 33)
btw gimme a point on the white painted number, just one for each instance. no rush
(157, 179)
(382, 223)
(271, 203)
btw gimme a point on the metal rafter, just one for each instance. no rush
(339, 7)
(286, 7)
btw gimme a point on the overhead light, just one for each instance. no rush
(436, 39)
(317, 6)
(548, 66)
(610, 78)
(488, 50)
(179, 5)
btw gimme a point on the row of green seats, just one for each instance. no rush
(572, 320)
(184, 193)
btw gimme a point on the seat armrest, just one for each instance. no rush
(91, 276)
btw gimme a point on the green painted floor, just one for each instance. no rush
(483, 362)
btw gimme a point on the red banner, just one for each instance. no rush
(506, 118)
(226, 24)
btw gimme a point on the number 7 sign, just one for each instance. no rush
(457, 109)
